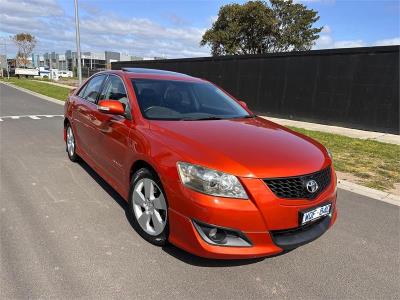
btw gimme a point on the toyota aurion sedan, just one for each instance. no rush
(197, 167)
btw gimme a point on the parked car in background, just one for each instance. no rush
(65, 73)
(197, 167)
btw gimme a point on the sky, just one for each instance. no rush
(174, 29)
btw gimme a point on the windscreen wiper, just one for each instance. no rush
(216, 118)
(200, 119)
(245, 117)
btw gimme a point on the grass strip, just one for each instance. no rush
(374, 164)
(54, 91)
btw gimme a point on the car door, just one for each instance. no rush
(84, 112)
(114, 131)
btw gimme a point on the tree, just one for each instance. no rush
(259, 27)
(25, 43)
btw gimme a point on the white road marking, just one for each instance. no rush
(33, 117)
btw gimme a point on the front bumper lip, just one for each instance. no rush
(294, 238)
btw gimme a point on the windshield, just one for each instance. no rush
(180, 100)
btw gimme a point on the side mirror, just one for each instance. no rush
(72, 91)
(243, 104)
(112, 107)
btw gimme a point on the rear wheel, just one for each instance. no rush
(148, 207)
(71, 144)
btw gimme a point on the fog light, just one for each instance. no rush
(215, 235)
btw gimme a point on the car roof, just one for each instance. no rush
(147, 73)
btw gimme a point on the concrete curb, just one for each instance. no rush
(34, 93)
(368, 192)
(342, 184)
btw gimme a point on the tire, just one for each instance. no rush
(148, 207)
(70, 144)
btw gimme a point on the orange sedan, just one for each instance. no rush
(197, 167)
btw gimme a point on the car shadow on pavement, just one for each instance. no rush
(180, 254)
(103, 184)
(198, 261)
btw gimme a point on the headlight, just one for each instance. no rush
(210, 182)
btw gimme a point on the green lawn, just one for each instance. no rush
(375, 164)
(43, 88)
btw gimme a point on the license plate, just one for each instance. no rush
(316, 213)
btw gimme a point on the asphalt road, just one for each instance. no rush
(64, 234)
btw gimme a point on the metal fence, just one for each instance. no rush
(87, 72)
(357, 87)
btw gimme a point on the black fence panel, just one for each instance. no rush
(357, 87)
(87, 72)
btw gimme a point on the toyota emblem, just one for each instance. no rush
(312, 186)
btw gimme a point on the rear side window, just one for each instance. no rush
(92, 89)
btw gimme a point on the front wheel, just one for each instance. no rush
(71, 144)
(148, 207)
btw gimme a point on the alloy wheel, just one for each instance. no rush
(149, 206)
(70, 142)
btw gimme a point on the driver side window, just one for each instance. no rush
(92, 89)
(114, 89)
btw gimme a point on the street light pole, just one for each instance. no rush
(78, 43)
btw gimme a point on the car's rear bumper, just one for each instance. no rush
(271, 224)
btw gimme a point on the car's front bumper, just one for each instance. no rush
(270, 223)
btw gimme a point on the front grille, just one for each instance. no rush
(295, 187)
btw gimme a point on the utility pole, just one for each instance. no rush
(78, 43)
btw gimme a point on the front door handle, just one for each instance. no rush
(105, 130)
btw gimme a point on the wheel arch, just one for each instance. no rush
(139, 164)
(66, 122)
